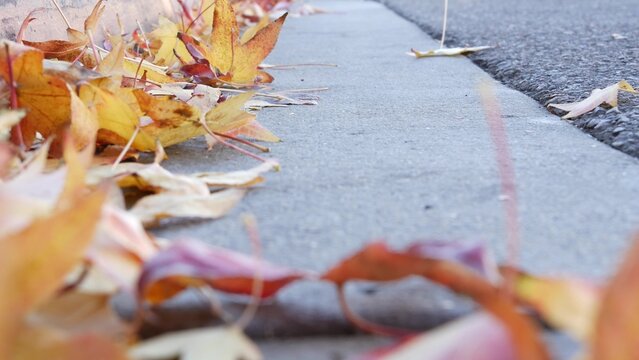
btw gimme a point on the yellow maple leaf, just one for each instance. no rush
(235, 57)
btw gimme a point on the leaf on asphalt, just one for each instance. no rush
(479, 336)
(36, 260)
(597, 97)
(617, 325)
(376, 262)
(568, 304)
(45, 98)
(191, 263)
(447, 51)
(226, 343)
(153, 208)
(228, 54)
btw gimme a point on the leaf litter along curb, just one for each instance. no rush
(114, 253)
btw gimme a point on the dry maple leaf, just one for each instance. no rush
(237, 60)
(191, 263)
(71, 49)
(447, 51)
(566, 303)
(153, 208)
(597, 97)
(226, 343)
(36, 260)
(45, 98)
(166, 45)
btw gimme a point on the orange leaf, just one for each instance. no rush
(36, 260)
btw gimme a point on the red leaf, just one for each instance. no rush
(432, 260)
(188, 263)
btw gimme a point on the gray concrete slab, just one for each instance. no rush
(399, 148)
(552, 50)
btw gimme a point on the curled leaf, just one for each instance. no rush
(607, 95)
(447, 51)
(191, 263)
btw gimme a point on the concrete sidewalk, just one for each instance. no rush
(399, 148)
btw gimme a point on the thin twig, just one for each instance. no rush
(96, 53)
(245, 142)
(57, 6)
(197, 17)
(232, 146)
(441, 44)
(16, 132)
(137, 72)
(146, 40)
(126, 148)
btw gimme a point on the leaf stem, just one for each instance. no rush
(16, 131)
(126, 148)
(441, 43)
(64, 17)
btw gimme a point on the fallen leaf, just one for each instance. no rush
(617, 325)
(9, 118)
(165, 43)
(376, 262)
(225, 117)
(153, 208)
(597, 97)
(78, 313)
(118, 122)
(479, 336)
(191, 263)
(447, 51)
(51, 344)
(243, 178)
(226, 343)
(45, 98)
(568, 304)
(71, 49)
(36, 260)
(229, 55)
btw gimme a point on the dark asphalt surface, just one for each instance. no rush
(552, 50)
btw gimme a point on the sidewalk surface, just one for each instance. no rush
(398, 148)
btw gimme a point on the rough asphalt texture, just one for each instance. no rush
(554, 51)
(399, 148)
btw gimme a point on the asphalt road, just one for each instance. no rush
(552, 50)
